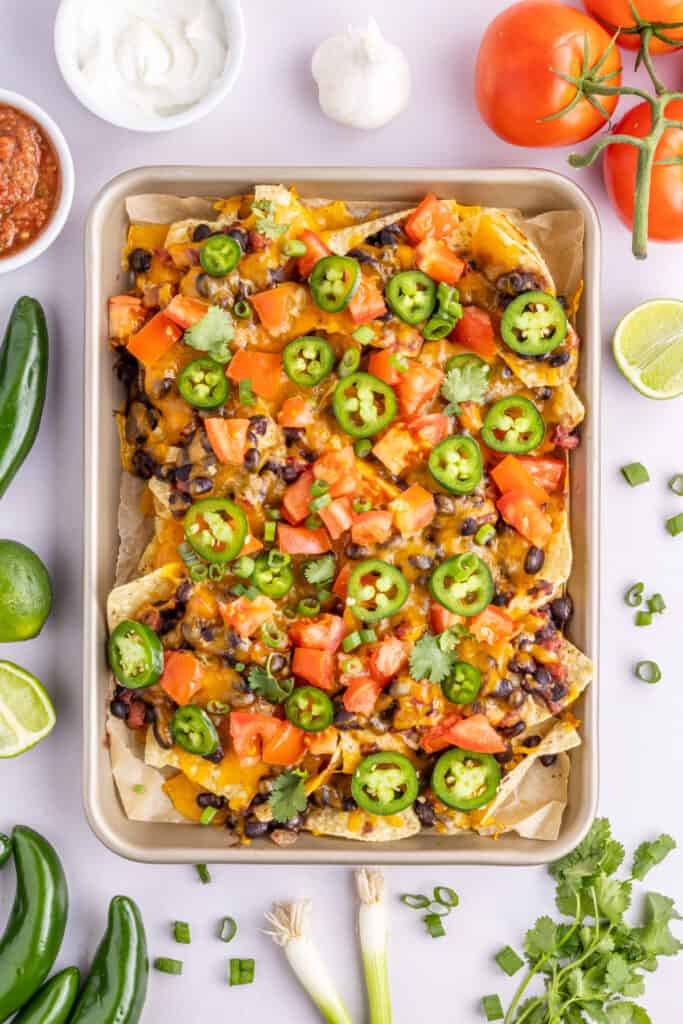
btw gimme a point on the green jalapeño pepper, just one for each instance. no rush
(465, 780)
(411, 295)
(463, 584)
(219, 255)
(513, 425)
(456, 463)
(52, 1004)
(376, 590)
(273, 575)
(135, 653)
(363, 404)
(534, 323)
(463, 684)
(309, 709)
(384, 783)
(307, 361)
(203, 383)
(334, 281)
(448, 312)
(192, 730)
(216, 529)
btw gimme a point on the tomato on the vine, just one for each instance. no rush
(616, 14)
(516, 87)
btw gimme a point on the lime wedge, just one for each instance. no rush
(26, 711)
(648, 348)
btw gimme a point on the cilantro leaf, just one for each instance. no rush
(648, 855)
(264, 685)
(428, 660)
(269, 228)
(627, 1013)
(532, 1011)
(467, 382)
(320, 570)
(288, 795)
(211, 334)
(655, 936)
(597, 853)
(541, 939)
(617, 973)
(263, 206)
(613, 897)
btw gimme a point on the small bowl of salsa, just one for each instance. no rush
(36, 181)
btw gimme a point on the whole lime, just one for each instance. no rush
(25, 592)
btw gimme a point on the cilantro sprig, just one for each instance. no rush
(591, 969)
(265, 685)
(288, 795)
(212, 334)
(433, 657)
(466, 382)
(320, 570)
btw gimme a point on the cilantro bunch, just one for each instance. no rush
(591, 968)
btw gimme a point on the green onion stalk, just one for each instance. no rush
(290, 928)
(372, 928)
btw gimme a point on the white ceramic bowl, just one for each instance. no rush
(65, 50)
(61, 211)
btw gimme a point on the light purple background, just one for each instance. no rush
(272, 117)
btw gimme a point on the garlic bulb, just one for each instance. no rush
(363, 81)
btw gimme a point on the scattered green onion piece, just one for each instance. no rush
(138, 788)
(217, 707)
(269, 532)
(240, 666)
(363, 334)
(492, 1007)
(270, 635)
(207, 815)
(246, 395)
(198, 572)
(509, 961)
(242, 972)
(289, 612)
(440, 909)
(323, 595)
(643, 618)
(485, 534)
(319, 487)
(416, 901)
(656, 604)
(251, 593)
(322, 501)
(181, 932)
(634, 595)
(313, 522)
(242, 309)
(277, 559)
(446, 896)
(204, 874)
(676, 484)
(294, 248)
(228, 929)
(635, 474)
(434, 925)
(238, 590)
(362, 505)
(354, 667)
(399, 362)
(362, 447)
(675, 524)
(648, 671)
(308, 606)
(372, 930)
(273, 513)
(168, 966)
(367, 636)
(244, 566)
(216, 572)
(349, 362)
(350, 642)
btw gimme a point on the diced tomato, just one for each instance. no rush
(338, 468)
(259, 737)
(372, 527)
(316, 667)
(417, 386)
(296, 412)
(185, 311)
(431, 218)
(380, 365)
(321, 743)
(361, 695)
(228, 439)
(298, 540)
(513, 475)
(126, 316)
(438, 261)
(387, 659)
(413, 510)
(262, 369)
(368, 303)
(154, 339)
(396, 449)
(429, 429)
(492, 625)
(297, 497)
(250, 545)
(337, 517)
(474, 331)
(477, 733)
(548, 473)
(340, 585)
(246, 616)
(440, 618)
(277, 306)
(522, 512)
(286, 746)
(323, 633)
(315, 250)
(440, 736)
(181, 677)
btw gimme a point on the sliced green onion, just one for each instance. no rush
(323, 595)
(372, 929)
(204, 874)
(362, 447)
(181, 932)
(634, 595)
(308, 606)
(492, 1007)
(447, 897)
(198, 572)
(367, 636)
(251, 593)
(675, 524)
(294, 248)
(269, 532)
(353, 667)
(244, 566)
(434, 925)
(361, 504)
(270, 634)
(276, 559)
(648, 671)
(246, 395)
(242, 971)
(242, 309)
(676, 484)
(440, 909)
(643, 618)
(350, 642)
(168, 966)
(291, 929)
(217, 707)
(656, 604)
(273, 513)
(240, 666)
(349, 362)
(322, 501)
(228, 929)
(238, 590)
(416, 901)
(188, 554)
(398, 361)
(509, 961)
(207, 815)
(313, 522)
(363, 334)
(138, 788)
(216, 572)
(485, 534)
(635, 474)
(319, 487)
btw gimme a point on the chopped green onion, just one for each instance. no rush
(367, 636)
(634, 595)
(207, 815)
(246, 395)
(372, 929)
(323, 595)
(353, 667)
(675, 524)
(181, 932)
(242, 309)
(322, 501)
(363, 334)
(635, 474)
(509, 961)
(643, 618)
(399, 362)
(244, 566)
(138, 788)
(656, 604)
(270, 634)
(349, 362)
(676, 484)
(168, 966)
(319, 487)
(289, 612)
(485, 534)
(203, 872)
(313, 522)
(492, 1007)
(251, 593)
(362, 504)
(447, 897)
(362, 447)
(242, 972)
(294, 248)
(240, 666)
(238, 589)
(217, 707)
(648, 671)
(188, 554)
(434, 925)
(273, 513)
(269, 532)
(276, 559)
(440, 909)
(216, 572)
(198, 572)
(308, 606)
(350, 642)
(415, 901)
(228, 929)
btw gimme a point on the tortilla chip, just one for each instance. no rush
(149, 803)
(135, 529)
(369, 828)
(498, 246)
(354, 741)
(344, 239)
(565, 407)
(154, 208)
(123, 602)
(538, 374)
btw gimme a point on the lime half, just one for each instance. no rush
(26, 711)
(648, 348)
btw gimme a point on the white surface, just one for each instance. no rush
(273, 117)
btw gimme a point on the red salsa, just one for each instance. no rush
(29, 180)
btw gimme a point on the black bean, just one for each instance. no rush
(307, 455)
(276, 276)
(119, 709)
(121, 691)
(501, 598)
(216, 757)
(255, 828)
(345, 720)
(516, 699)
(161, 735)
(140, 260)
(503, 756)
(292, 435)
(421, 561)
(200, 485)
(182, 473)
(290, 474)
(548, 759)
(338, 605)
(561, 609)
(295, 823)
(546, 632)
(512, 730)
(542, 676)
(271, 466)
(517, 281)
(251, 458)
(348, 804)
(503, 688)
(506, 372)
(143, 464)
(207, 634)
(210, 800)
(522, 665)
(356, 551)
(559, 358)
(183, 592)
(444, 503)
(201, 232)
(150, 714)
(363, 257)
(535, 558)
(385, 236)
(468, 527)
(543, 394)
(425, 813)
(179, 502)
(259, 424)
(559, 691)
(532, 741)
(240, 236)
(203, 285)
(277, 662)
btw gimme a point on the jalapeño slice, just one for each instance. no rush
(307, 360)
(384, 783)
(219, 255)
(203, 383)
(411, 295)
(513, 425)
(135, 653)
(464, 779)
(334, 281)
(456, 463)
(363, 404)
(273, 575)
(534, 323)
(376, 590)
(192, 730)
(463, 584)
(309, 709)
(463, 684)
(216, 529)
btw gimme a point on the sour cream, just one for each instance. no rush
(150, 58)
